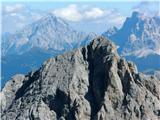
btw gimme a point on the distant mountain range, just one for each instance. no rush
(49, 33)
(28, 48)
(138, 40)
(139, 36)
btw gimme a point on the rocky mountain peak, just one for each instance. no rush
(139, 16)
(111, 31)
(48, 33)
(51, 20)
(89, 83)
(135, 14)
(138, 36)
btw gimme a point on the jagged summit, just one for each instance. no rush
(26, 49)
(135, 14)
(51, 20)
(54, 18)
(111, 31)
(89, 83)
(48, 33)
(138, 36)
(138, 15)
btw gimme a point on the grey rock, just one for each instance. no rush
(157, 74)
(10, 89)
(89, 83)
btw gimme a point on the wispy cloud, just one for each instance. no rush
(12, 8)
(19, 15)
(75, 13)
(149, 8)
(16, 16)
(70, 13)
(94, 13)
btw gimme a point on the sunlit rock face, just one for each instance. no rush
(89, 83)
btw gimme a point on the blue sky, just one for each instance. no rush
(84, 16)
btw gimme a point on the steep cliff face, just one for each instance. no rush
(90, 83)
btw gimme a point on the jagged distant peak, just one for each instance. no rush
(113, 28)
(138, 33)
(143, 15)
(49, 32)
(136, 14)
(111, 31)
(52, 17)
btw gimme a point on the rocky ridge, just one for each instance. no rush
(50, 33)
(139, 36)
(89, 83)
(138, 40)
(47, 37)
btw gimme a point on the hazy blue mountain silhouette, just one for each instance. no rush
(138, 40)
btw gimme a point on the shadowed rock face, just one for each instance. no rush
(90, 83)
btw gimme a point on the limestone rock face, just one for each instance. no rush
(90, 83)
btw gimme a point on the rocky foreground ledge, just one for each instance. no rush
(90, 83)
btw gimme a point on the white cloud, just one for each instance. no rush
(77, 13)
(70, 13)
(36, 16)
(148, 8)
(17, 16)
(94, 13)
(88, 13)
(13, 8)
(115, 18)
(13, 14)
